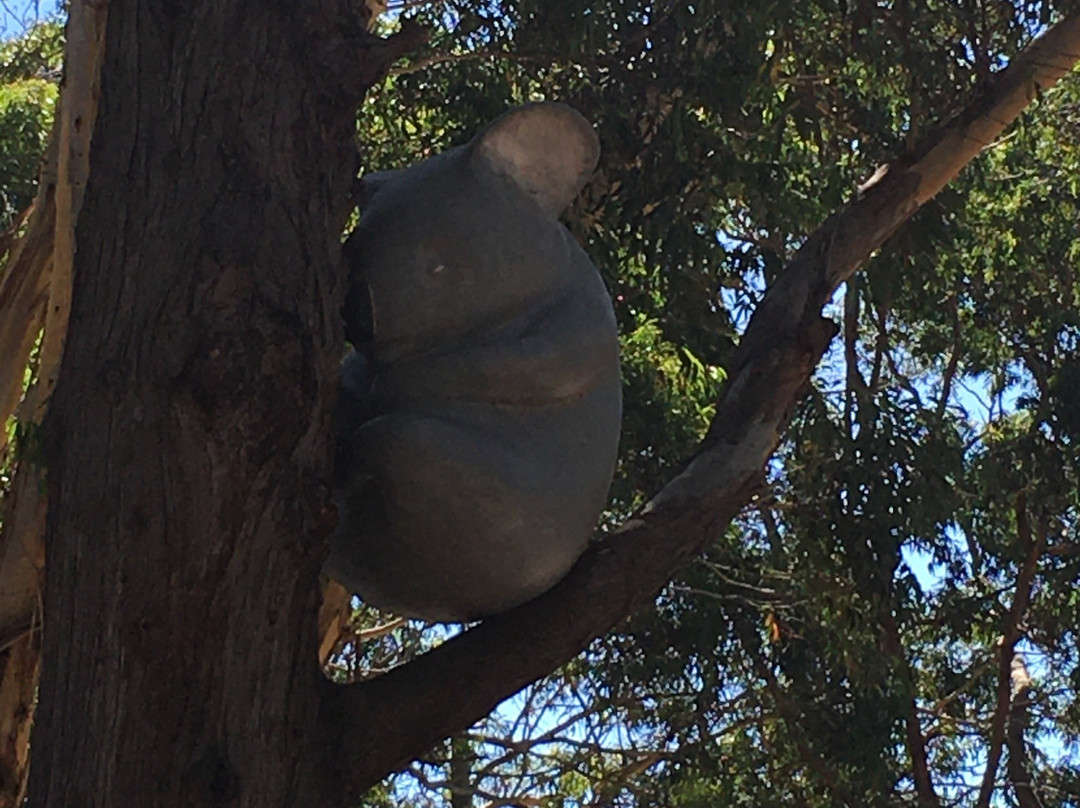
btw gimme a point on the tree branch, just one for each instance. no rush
(954, 358)
(24, 289)
(424, 62)
(1010, 634)
(451, 687)
(856, 384)
(881, 345)
(916, 741)
(1018, 768)
(791, 713)
(83, 50)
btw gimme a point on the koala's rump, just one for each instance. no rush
(479, 508)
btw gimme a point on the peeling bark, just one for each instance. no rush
(75, 113)
(333, 619)
(18, 691)
(40, 279)
(1018, 768)
(24, 290)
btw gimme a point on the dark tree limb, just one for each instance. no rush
(790, 712)
(384, 723)
(953, 364)
(1006, 651)
(856, 388)
(913, 734)
(351, 58)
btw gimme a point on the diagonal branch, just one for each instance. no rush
(24, 287)
(913, 734)
(451, 687)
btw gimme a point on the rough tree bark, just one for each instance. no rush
(188, 437)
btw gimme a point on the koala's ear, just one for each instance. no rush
(549, 150)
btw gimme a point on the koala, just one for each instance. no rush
(480, 412)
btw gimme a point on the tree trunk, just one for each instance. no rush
(461, 762)
(187, 439)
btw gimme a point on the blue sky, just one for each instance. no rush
(18, 15)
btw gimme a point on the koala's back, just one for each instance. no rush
(490, 388)
(442, 254)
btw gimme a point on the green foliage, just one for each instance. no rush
(37, 53)
(26, 109)
(865, 595)
(29, 70)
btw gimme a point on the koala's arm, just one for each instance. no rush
(550, 353)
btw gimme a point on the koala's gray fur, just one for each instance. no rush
(480, 416)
